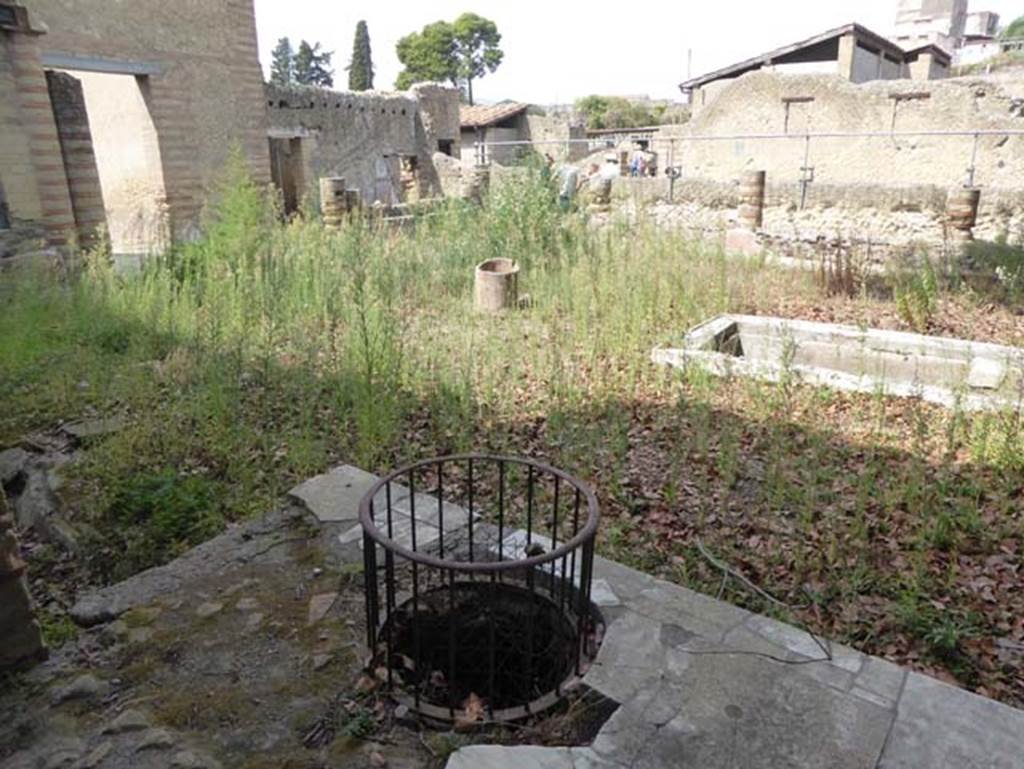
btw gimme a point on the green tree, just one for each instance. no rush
(618, 112)
(1015, 29)
(282, 63)
(313, 66)
(476, 48)
(458, 52)
(593, 109)
(360, 69)
(428, 56)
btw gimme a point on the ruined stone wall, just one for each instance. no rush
(753, 104)
(68, 101)
(887, 173)
(862, 213)
(542, 128)
(205, 91)
(439, 114)
(20, 637)
(364, 136)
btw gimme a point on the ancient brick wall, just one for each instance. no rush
(31, 169)
(72, 121)
(200, 77)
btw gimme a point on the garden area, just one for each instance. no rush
(268, 352)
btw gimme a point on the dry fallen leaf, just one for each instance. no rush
(366, 684)
(473, 711)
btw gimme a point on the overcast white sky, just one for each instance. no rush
(558, 50)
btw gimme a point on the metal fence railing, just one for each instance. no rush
(672, 150)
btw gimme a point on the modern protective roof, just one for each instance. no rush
(748, 65)
(482, 116)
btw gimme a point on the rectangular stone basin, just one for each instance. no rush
(977, 375)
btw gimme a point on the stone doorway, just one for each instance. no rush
(287, 169)
(104, 122)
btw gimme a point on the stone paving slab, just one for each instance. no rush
(738, 711)
(708, 685)
(527, 757)
(334, 496)
(942, 727)
(258, 538)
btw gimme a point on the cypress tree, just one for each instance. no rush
(360, 70)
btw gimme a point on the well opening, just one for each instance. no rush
(533, 644)
(478, 586)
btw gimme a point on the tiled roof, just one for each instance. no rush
(481, 116)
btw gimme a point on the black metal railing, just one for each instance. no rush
(478, 573)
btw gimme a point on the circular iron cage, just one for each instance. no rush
(478, 573)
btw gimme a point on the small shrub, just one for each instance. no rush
(942, 630)
(158, 515)
(841, 272)
(916, 295)
(57, 629)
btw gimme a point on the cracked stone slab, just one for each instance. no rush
(602, 594)
(334, 496)
(694, 611)
(87, 429)
(881, 678)
(401, 532)
(939, 726)
(526, 757)
(627, 583)
(741, 711)
(426, 507)
(743, 640)
(637, 652)
(802, 643)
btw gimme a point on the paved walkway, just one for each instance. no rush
(704, 684)
(248, 622)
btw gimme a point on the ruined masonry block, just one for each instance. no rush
(20, 637)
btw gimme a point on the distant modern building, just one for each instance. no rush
(851, 51)
(920, 22)
(970, 37)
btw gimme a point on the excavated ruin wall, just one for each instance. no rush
(756, 104)
(363, 136)
(879, 187)
(867, 212)
(544, 129)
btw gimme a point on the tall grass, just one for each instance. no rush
(268, 351)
